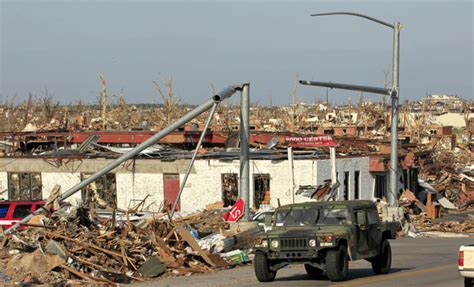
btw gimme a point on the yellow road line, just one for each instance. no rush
(378, 278)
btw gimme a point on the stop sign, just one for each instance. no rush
(235, 212)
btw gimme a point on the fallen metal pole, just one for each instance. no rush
(224, 94)
(186, 175)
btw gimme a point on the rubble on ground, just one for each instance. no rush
(446, 194)
(75, 246)
(452, 175)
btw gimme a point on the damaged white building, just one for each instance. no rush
(211, 180)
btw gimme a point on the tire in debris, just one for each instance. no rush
(337, 263)
(383, 261)
(262, 268)
(312, 271)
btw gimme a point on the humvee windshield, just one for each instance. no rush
(312, 215)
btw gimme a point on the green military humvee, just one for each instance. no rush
(324, 236)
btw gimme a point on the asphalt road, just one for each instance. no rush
(416, 262)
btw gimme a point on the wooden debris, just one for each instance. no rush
(95, 251)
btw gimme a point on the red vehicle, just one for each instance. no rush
(12, 212)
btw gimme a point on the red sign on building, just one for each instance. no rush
(236, 211)
(310, 141)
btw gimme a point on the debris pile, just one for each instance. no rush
(73, 246)
(464, 226)
(452, 175)
(322, 192)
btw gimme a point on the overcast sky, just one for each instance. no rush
(65, 45)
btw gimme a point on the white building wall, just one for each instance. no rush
(280, 178)
(350, 165)
(66, 180)
(134, 187)
(205, 187)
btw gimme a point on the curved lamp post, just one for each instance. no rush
(393, 92)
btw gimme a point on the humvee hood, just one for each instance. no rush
(289, 232)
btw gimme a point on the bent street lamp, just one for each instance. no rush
(393, 93)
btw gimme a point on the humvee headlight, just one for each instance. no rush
(261, 242)
(275, 243)
(312, 243)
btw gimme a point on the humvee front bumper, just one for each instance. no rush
(304, 254)
(293, 255)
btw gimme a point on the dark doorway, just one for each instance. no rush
(230, 191)
(346, 185)
(380, 185)
(356, 184)
(261, 185)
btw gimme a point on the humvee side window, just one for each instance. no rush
(372, 217)
(360, 217)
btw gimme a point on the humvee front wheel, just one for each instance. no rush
(383, 261)
(312, 271)
(337, 264)
(262, 268)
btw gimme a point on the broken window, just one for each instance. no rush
(24, 186)
(261, 185)
(102, 192)
(356, 184)
(230, 191)
(328, 131)
(380, 185)
(372, 216)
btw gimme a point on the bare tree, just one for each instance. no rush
(103, 101)
(170, 101)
